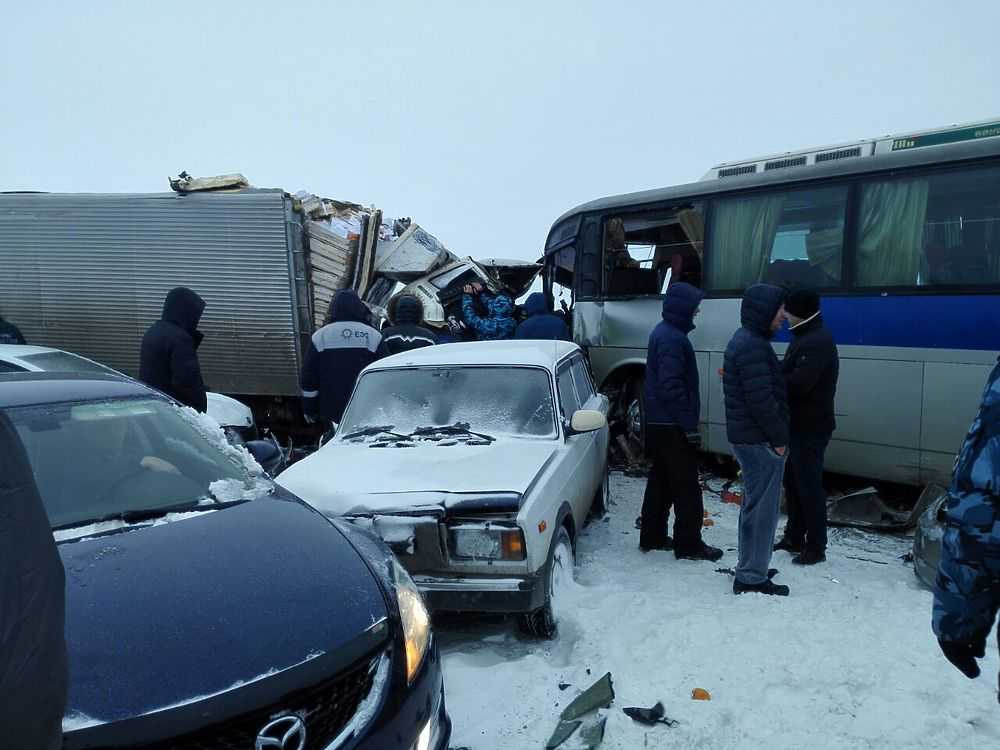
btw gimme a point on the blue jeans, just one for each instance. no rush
(762, 473)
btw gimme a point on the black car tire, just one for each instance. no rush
(544, 622)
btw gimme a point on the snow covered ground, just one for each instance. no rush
(847, 661)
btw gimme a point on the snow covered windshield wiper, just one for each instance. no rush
(373, 430)
(135, 515)
(459, 429)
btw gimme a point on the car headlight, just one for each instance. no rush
(486, 541)
(416, 620)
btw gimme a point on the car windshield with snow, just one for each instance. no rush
(478, 464)
(205, 606)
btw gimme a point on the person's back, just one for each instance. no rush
(967, 590)
(499, 321)
(755, 396)
(337, 354)
(407, 330)
(33, 665)
(540, 323)
(168, 358)
(10, 333)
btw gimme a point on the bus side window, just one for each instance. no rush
(793, 238)
(930, 230)
(642, 252)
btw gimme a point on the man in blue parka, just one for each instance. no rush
(967, 590)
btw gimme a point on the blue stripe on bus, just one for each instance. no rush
(935, 322)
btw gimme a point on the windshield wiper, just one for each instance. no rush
(135, 515)
(452, 430)
(373, 430)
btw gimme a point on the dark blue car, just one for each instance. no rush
(206, 607)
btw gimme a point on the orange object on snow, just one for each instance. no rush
(734, 498)
(708, 522)
(699, 694)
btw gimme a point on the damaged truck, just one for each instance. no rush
(88, 273)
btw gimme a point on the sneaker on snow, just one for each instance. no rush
(772, 572)
(704, 552)
(768, 587)
(789, 545)
(666, 545)
(810, 557)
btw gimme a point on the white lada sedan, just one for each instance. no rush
(477, 463)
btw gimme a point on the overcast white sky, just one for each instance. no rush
(482, 120)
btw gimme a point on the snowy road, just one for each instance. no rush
(847, 661)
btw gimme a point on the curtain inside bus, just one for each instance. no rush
(743, 232)
(890, 249)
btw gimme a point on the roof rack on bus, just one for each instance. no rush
(857, 150)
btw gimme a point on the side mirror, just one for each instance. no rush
(266, 453)
(587, 420)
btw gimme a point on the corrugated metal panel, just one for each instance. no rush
(88, 273)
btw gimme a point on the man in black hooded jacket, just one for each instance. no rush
(33, 665)
(407, 330)
(169, 355)
(811, 368)
(337, 354)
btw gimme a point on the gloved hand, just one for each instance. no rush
(693, 438)
(963, 654)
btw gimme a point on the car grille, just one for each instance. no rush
(326, 707)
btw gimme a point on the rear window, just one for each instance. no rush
(63, 362)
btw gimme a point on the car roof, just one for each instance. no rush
(16, 351)
(34, 388)
(521, 353)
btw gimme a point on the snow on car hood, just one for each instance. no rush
(356, 478)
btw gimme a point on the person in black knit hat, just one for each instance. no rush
(811, 368)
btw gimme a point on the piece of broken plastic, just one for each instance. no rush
(649, 716)
(592, 735)
(563, 732)
(700, 694)
(599, 695)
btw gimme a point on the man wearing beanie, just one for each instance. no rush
(811, 367)
(757, 428)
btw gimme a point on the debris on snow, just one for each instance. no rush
(599, 695)
(650, 716)
(564, 730)
(700, 694)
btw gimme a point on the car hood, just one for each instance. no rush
(356, 478)
(157, 616)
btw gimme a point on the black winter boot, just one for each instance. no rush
(768, 587)
(789, 545)
(704, 552)
(810, 556)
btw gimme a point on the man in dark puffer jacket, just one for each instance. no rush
(407, 330)
(757, 426)
(673, 407)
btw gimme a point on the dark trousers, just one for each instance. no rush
(673, 480)
(804, 493)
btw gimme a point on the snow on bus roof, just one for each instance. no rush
(533, 353)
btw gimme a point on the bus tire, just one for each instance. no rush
(635, 414)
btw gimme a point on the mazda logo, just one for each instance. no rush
(284, 733)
